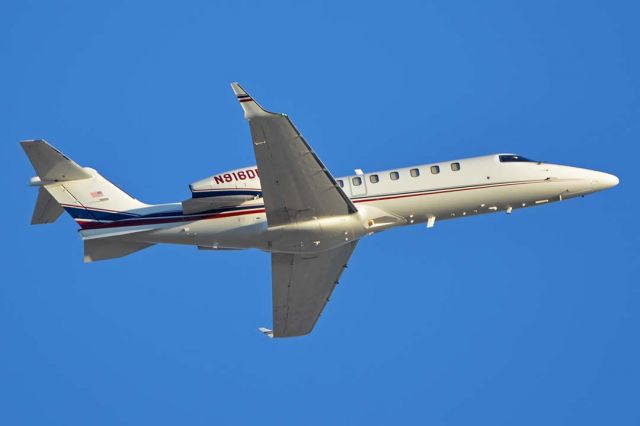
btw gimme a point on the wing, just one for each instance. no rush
(302, 285)
(296, 186)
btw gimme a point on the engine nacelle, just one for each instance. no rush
(226, 189)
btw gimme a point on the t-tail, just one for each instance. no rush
(83, 193)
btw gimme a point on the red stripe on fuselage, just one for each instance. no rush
(226, 189)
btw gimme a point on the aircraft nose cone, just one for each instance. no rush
(612, 180)
(605, 180)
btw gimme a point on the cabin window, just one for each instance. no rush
(435, 170)
(394, 175)
(357, 181)
(514, 159)
(455, 166)
(341, 183)
(374, 179)
(414, 172)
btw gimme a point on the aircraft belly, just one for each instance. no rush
(418, 208)
(316, 235)
(237, 232)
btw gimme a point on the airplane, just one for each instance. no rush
(291, 206)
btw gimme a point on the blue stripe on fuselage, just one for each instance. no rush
(84, 213)
(92, 214)
(203, 194)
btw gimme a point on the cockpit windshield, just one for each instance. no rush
(511, 158)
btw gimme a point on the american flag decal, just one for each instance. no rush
(97, 194)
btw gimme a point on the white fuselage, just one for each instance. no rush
(385, 199)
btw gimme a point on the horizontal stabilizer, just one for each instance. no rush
(50, 164)
(47, 209)
(110, 248)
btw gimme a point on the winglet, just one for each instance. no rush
(250, 107)
(266, 332)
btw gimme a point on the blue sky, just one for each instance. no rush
(525, 319)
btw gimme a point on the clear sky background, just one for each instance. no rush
(526, 319)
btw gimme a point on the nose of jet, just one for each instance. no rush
(610, 180)
(600, 180)
(585, 181)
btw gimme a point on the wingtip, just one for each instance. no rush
(237, 89)
(267, 332)
(250, 107)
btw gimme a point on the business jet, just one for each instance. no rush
(291, 206)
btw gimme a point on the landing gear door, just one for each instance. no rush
(358, 184)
